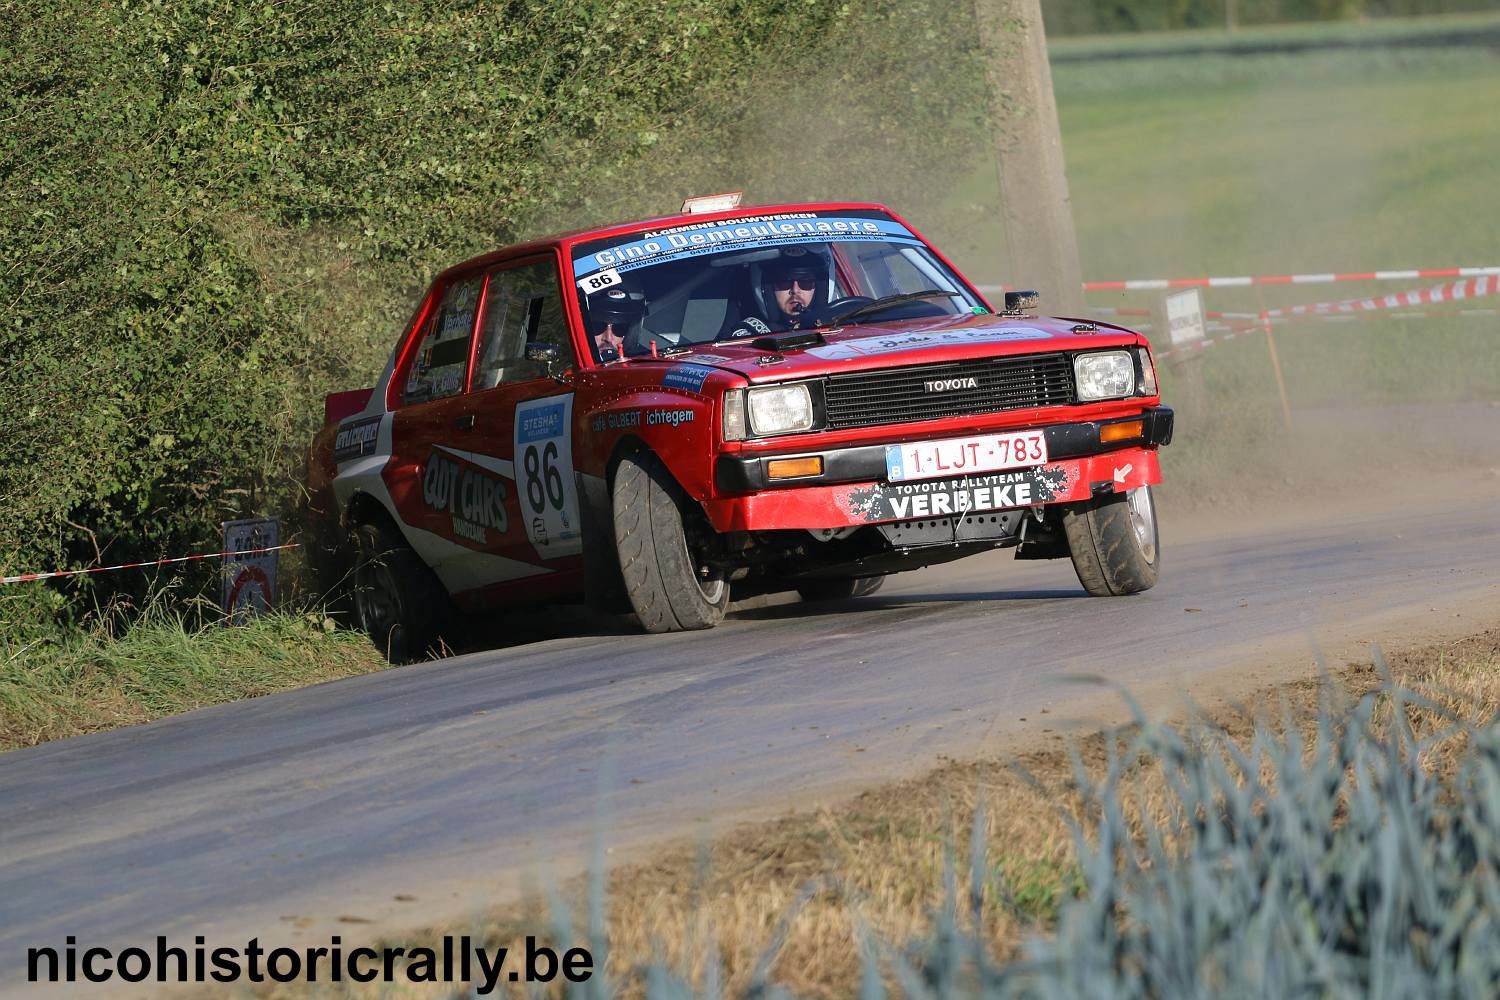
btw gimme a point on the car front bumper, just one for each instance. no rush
(1076, 439)
(852, 490)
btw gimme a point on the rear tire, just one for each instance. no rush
(1114, 542)
(398, 600)
(840, 588)
(659, 536)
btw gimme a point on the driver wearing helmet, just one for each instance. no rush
(611, 314)
(793, 288)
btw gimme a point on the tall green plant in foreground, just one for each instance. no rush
(1339, 867)
(1344, 865)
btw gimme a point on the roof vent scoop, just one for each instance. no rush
(790, 341)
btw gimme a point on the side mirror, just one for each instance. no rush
(546, 355)
(1016, 302)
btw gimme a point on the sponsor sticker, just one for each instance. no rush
(356, 438)
(544, 476)
(614, 420)
(947, 497)
(689, 377)
(472, 497)
(871, 346)
(669, 418)
(744, 233)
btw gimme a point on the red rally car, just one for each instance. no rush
(802, 397)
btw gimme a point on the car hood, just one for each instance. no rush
(889, 345)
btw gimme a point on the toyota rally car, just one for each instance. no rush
(803, 397)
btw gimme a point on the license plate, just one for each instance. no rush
(962, 456)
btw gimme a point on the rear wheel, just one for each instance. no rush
(661, 538)
(1113, 542)
(398, 600)
(840, 588)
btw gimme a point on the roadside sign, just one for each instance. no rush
(249, 580)
(1184, 312)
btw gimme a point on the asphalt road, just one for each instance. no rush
(294, 816)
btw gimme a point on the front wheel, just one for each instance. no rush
(661, 540)
(1114, 543)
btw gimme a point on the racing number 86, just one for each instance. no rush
(543, 481)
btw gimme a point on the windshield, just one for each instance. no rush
(747, 276)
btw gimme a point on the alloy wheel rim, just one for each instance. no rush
(1143, 520)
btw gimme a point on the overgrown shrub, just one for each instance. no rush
(212, 213)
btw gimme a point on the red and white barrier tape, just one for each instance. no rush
(1329, 317)
(29, 577)
(1457, 291)
(1329, 278)
(1243, 281)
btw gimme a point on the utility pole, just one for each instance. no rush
(1038, 216)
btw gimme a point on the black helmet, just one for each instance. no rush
(794, 263)
(619, 305)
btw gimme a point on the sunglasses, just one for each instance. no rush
(803, 284)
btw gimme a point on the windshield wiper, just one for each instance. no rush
(886, 301)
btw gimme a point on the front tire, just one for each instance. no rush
(1114, 543)
(399, 602)
(660, 539)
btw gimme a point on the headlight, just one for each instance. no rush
(1105, 375)
(780, 409)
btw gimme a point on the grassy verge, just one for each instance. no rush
(86, 682)
(985, 863)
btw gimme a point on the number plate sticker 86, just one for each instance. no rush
(544, 476)
(961, 456)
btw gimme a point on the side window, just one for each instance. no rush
(522, 306)
(442, 359)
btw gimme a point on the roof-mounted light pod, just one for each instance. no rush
(712, 203)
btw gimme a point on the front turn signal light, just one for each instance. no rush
(794, 468)
(1123, 431)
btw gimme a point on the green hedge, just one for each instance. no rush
(212, 213)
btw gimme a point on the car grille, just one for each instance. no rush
(899, 395)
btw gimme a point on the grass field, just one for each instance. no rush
(1266, 151)
(1239, 160)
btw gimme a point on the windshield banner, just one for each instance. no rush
(754, 232)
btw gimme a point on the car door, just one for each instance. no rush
(432, 420)
(525, 414)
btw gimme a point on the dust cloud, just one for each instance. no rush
(1187, 156)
